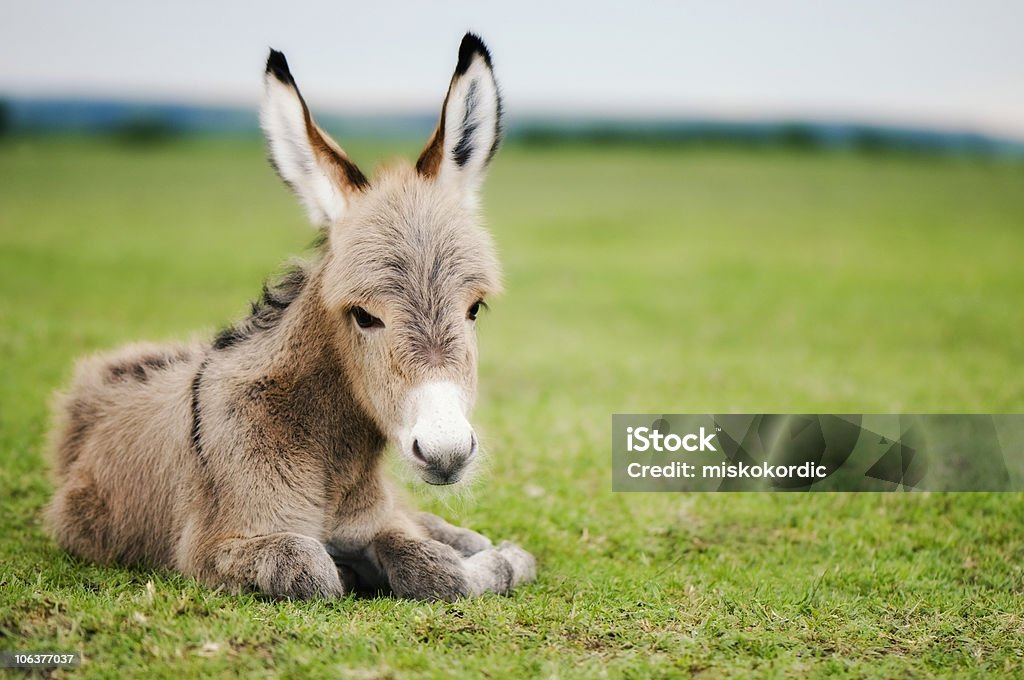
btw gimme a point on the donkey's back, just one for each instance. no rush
(118, 448)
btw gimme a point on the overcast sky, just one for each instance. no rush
(949, 64)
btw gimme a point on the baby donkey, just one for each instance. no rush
(255, 462)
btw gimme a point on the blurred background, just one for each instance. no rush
(910, 75)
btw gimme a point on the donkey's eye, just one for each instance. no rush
(365, 319)
(474, 309)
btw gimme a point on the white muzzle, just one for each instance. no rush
(441, 442)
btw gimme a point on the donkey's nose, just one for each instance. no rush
(417, 450)
(441, 441)
(444, 461)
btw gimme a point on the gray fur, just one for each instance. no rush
(255, 462)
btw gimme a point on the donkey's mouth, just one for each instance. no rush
(445, 483)
(436, 477)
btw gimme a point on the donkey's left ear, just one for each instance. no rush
(469, 131)
(305, 157)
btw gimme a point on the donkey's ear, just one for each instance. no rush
(469, 131)
(309, 161)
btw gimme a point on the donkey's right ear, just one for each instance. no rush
(304, 156)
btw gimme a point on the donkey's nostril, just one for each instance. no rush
(417, 452)
(472, 443)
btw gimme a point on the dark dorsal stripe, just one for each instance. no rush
(140, 369)
(197, 435)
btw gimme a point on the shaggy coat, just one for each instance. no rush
(255, 462)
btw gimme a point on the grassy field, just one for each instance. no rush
(638, 281)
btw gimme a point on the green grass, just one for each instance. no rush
(637, 281)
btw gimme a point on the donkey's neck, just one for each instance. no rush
(295, 370)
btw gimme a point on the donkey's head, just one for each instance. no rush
(408, 265)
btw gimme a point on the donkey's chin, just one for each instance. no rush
(435, 478)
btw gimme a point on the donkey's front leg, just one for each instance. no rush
(282, 564)
(466, 541)
(426, 569)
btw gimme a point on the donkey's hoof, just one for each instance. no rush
(469, 542)
(301, 570)
(524, 565)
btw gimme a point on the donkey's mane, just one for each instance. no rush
(267, 311)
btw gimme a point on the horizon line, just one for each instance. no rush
(562, 112)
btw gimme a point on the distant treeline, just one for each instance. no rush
(151, 123)
(810, 136)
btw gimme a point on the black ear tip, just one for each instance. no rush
(278, 66)
(471, 46)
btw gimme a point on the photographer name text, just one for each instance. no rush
(644, 439)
